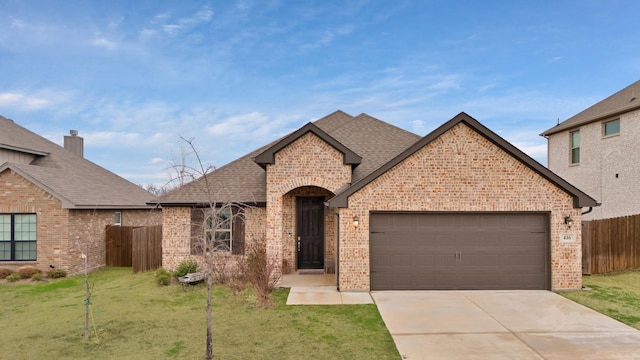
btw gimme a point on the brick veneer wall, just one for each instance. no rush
(308, 161)
(60, 232)
(460, 171)
(176, 235)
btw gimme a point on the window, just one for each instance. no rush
(117, 218)
(611, 127)
(218, 228)
(575, 147)
(17, 237)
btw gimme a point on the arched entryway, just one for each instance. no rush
(310, 235)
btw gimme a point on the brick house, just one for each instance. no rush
(597, 149)
(383, 208)
(55, 204)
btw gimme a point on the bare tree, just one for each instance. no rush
(85, 252)
(88, 244)
(154, 188)
(211, 237)
(216, 216)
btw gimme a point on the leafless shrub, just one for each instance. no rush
(262, 273)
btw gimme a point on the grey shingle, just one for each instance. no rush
(76, 181)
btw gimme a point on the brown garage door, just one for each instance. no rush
(425, 251)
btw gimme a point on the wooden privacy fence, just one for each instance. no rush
(147, 248)
(139, 247)
(611, 245)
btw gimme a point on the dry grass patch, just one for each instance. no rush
(615, 295)
(134, 318)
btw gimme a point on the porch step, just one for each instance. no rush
(311, 272)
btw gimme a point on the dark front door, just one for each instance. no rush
(310, 230)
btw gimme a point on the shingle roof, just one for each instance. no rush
(625, 100)
(76, 182)
(240, 181)
(580, 198)
(375, 140)
(244, 181)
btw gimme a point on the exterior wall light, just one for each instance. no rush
(569, 221)
(356, 222)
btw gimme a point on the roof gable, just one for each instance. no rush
(268, 156)
(580, 198)
(625, 100)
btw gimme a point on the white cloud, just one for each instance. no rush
(204, 14)
(176, 26)
(104, 43)
(238, 125)
(23, 101)
(147, 33)
(110, 138)
(157, 160)
(17, 23)
(536, 151)
(171, 29)
(328, 36)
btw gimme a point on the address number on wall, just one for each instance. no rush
(567, 238)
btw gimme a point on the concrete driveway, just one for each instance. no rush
(501, 325)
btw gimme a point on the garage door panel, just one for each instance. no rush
(445, 221)
(459, 251)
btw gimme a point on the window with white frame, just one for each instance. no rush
(218, 229)
(575, 147)
(18, 237)
(117, 218)
(611, 127)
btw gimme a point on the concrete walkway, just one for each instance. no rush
(501, 325)
(319, 290)
(326, 295)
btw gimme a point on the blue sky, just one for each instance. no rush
(134, 76)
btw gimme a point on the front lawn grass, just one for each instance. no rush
(615, 295)
(133, 318)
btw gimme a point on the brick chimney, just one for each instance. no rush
(74, 143)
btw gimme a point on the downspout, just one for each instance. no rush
(588, 211)
(337, 246)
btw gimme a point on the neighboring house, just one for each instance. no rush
(55, 205)
(460, 208)
(597, 150)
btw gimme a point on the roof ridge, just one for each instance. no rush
(332, 115)
(387, 124)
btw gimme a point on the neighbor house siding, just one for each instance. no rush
(459, 171)
(601, 159)
(307, 162)
(62, 233)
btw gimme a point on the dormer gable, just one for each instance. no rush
(268, 156)
(19, 155)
